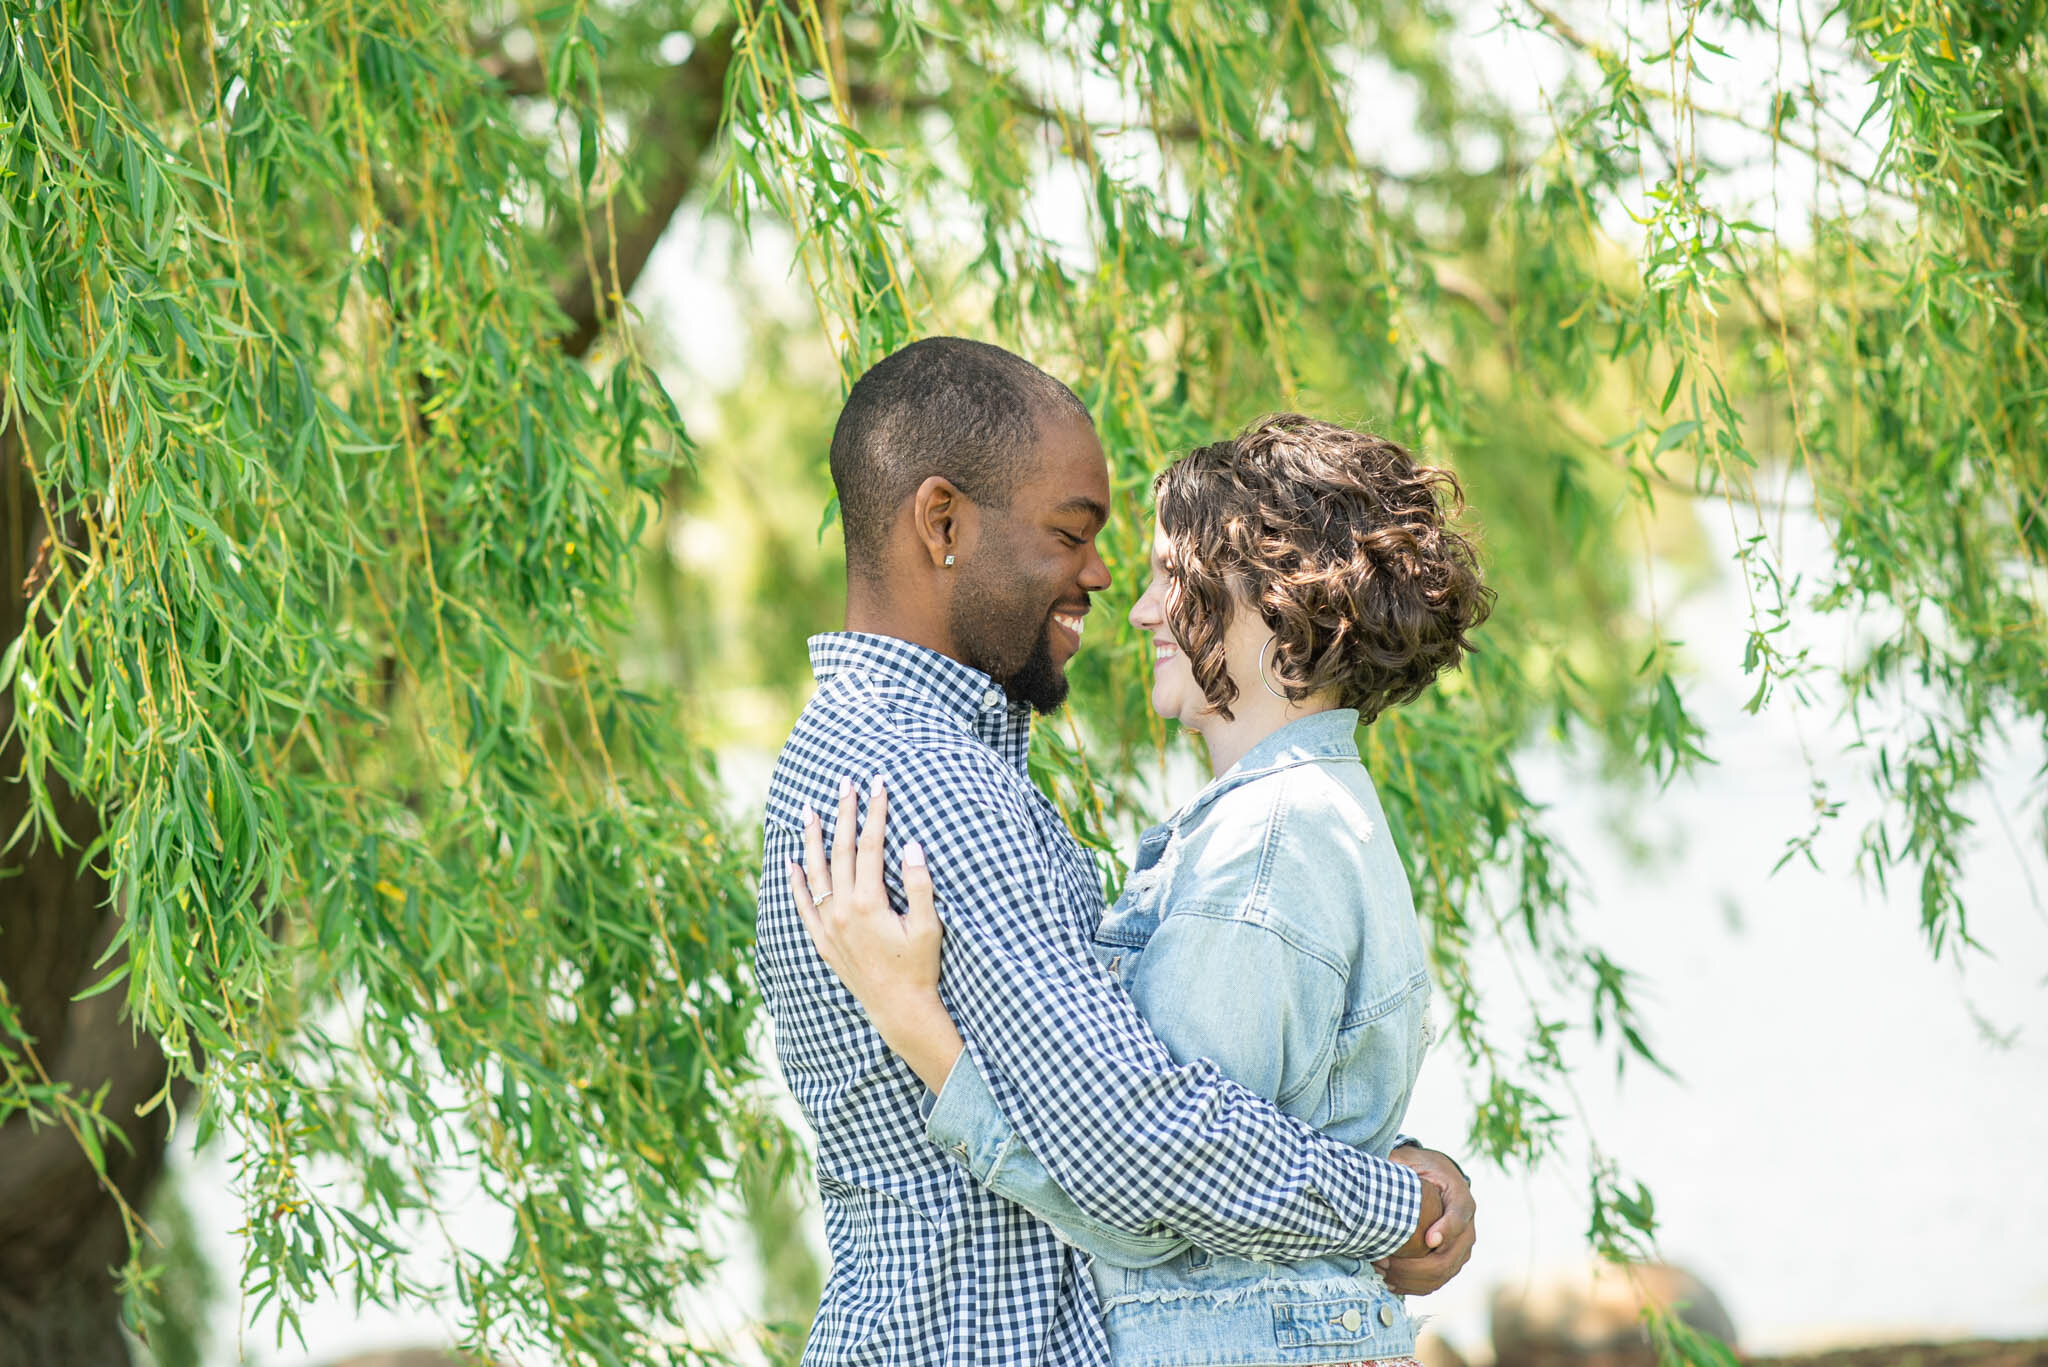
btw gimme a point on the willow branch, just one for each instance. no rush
(1557, 24)
(669, 151)
(869, 95)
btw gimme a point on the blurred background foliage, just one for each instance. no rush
(385, 595)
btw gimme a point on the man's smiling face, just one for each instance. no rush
(1024, 587)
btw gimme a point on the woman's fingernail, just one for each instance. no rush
(875, 785)
(845, 786)
(810, 817)
(913, 854)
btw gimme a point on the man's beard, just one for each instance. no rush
(987, 633)
(1039, 682)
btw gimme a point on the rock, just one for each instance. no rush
(1974, 1353)
(1593, 1317)
(1433, 1350)
(412, 1357)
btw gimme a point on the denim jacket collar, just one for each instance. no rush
(1305, 740)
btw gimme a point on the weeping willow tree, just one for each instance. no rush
(331, 440)
(322, 513)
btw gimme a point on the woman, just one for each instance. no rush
(1304, 579)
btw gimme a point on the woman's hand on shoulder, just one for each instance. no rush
(890, 963)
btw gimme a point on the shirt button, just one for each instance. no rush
(1386, 1314)
(1352, 1319)
(992, 698)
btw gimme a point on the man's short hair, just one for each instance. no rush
(944, 406)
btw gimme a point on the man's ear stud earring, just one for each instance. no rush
(949, 562)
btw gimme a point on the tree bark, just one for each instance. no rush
(668, 153)
(60, 1230)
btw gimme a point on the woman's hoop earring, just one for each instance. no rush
(1264, 651)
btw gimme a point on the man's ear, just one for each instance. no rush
(945, 520)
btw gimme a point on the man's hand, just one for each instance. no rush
(1449, 1239)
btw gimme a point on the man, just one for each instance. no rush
(971, 489)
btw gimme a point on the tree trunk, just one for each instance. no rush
(60, 1230)
(61, 1235)
(75, 1323)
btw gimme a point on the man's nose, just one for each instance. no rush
(1095, 573)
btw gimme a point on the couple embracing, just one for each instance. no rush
(1163, 1133)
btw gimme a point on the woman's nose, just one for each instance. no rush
(1143, 615)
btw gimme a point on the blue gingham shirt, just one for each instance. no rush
(928, 1267)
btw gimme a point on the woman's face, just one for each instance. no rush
(1175, 694)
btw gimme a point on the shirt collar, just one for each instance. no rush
(963, 691)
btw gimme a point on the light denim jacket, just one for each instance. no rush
(1266, 926)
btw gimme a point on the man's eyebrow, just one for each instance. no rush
(1081, 503)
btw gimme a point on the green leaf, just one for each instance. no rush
(1673, 435)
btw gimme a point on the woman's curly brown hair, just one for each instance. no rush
(1342, 543)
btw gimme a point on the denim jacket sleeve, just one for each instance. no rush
(1263, 1009)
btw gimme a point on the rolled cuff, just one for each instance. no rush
(1402, 1215)
(964, 1119)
